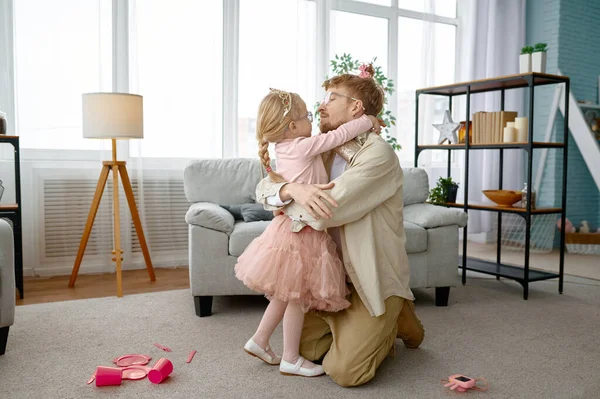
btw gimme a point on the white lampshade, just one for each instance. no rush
(112, 116)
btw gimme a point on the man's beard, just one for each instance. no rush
(326, 127)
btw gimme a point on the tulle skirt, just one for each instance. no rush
(301, 267)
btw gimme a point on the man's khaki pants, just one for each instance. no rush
(354, 342)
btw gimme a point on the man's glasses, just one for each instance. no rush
(308, 116)
(328, 94)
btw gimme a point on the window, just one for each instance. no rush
(426, 58)
(62, 49)
(176, 64)
(276, 49)
(443, 8)
(379, 2)
(364, 37)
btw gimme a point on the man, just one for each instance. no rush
(362, 210)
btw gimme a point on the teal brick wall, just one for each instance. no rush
(570, 27)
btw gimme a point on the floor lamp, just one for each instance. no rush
(113, 116)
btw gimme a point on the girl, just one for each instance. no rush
(296, 271)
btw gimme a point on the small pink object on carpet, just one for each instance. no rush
(160, 371)
(108, 376)
(463, 383)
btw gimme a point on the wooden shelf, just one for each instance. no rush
(489, 146)
(498, 83)
(495, 208)
(9, 207)
(4, 136)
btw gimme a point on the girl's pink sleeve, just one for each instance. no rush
(315, 145)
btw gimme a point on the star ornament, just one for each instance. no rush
(447, 129)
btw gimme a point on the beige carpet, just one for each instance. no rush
(546, 347)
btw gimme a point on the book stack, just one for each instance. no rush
(488, 127)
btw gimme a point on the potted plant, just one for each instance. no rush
(444, 192)
(525, 59)
(538, 58)
(345, 63)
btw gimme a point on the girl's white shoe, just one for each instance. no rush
(253, 349)
(286, 368)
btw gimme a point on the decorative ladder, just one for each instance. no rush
(580, 131)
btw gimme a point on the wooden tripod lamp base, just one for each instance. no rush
(106, 113)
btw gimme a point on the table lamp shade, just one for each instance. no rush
(112, 116)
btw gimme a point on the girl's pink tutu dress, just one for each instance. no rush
(298, 267)
(301, 267)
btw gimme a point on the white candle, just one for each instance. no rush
(510, 124)
(510, 134)
(522, 125)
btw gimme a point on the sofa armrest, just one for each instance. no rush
(7, 275)
(430, 216)
(210, 216)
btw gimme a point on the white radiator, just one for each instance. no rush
(66, 203)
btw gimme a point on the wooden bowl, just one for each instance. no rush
(504, 198)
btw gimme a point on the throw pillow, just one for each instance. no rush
(255, 213)
(235, 210)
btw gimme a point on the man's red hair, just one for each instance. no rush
(365, 89)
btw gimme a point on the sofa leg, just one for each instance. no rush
(3, 339)
(441, 296)
(203, 305)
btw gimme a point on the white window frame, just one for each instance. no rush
(231, 17)
(391, 13)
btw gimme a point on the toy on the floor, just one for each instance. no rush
(190, 356)
(160, 371)
(131, 360)
(463, 383)
(165, 348)
(133, 367)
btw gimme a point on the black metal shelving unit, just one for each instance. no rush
(529, 81)
(13, 213)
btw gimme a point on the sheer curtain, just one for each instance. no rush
(489, 46)
(426, 57)
(178, 60)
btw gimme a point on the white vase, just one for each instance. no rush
(524, 63)
(538, 62)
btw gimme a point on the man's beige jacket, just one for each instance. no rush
(369, 213)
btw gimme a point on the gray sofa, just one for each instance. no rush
(216, 239)
(7, 282)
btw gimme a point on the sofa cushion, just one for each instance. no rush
(222, 181)
(416, 186)
(416, 238)
(430, 216)
(235, 210)
(249, 212)
(255, 213)
(243, 234)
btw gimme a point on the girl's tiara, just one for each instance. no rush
(286, 100)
